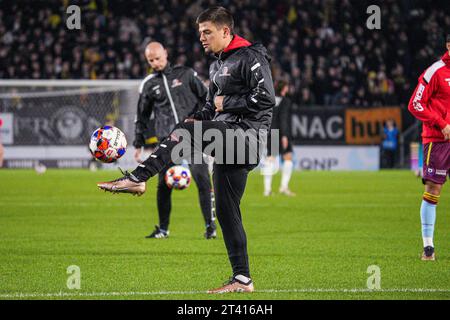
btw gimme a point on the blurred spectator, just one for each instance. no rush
(306, 98)
(389, 144)
(321, 47)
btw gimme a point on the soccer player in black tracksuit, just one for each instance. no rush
(172, 94)
(241, 97)
(280, 121)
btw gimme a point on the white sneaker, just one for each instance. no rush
(287, 192)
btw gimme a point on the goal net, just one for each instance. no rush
(51, 121)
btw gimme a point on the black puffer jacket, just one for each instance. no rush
(282, 116)
(241, 74)
(173, 95)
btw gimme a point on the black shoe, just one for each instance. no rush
(428, 254)
(158, 234)
(210, 232)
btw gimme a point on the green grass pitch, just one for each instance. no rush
(317, 245)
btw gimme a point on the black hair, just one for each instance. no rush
(219, 16)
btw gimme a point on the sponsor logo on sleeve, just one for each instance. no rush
(418, 97)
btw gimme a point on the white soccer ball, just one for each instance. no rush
(108, 144)
(178, 177)
(40, 168)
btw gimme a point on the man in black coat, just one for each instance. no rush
(172, 94)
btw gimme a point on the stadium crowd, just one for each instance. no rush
(321, 46)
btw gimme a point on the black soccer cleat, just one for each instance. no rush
(211, 232)
(158, 234)
(428, 254)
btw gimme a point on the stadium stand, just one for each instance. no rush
(320, 46)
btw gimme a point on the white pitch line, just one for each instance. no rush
(157, 293)
(412, 290)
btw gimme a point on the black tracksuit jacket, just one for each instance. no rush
(242, 74)
(173, 95)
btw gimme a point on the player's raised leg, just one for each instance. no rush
(160, 159)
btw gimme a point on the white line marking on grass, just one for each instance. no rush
(95, 294)
(412, 290)
(164, 293)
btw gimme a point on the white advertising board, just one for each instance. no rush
(337, 158)
(6, 128)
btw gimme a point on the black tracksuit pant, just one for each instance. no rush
(200, 174)
(229, 185)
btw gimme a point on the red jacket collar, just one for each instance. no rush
(446, 58)
(236, 43)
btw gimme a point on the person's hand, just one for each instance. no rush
(190, 119)
(446, 132)
(284, 142)
(218, 102)
(137, 155)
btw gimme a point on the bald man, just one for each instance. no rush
(171, 94)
